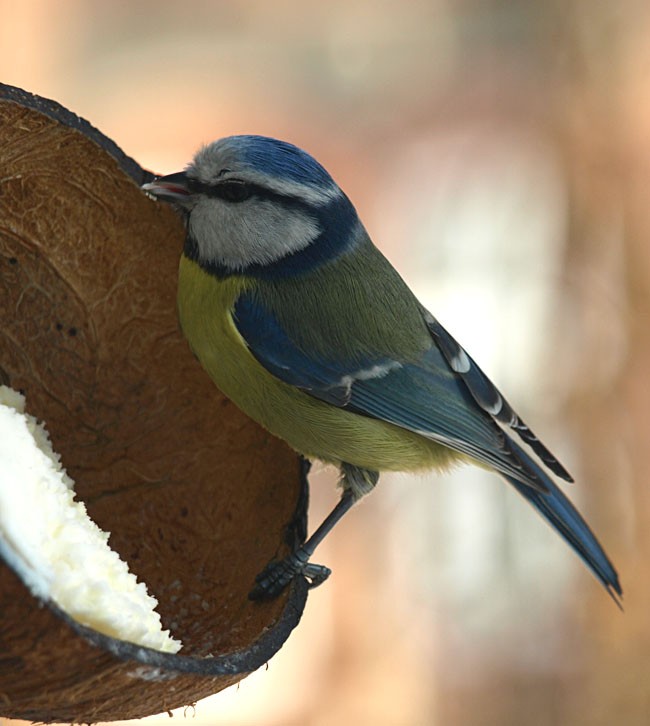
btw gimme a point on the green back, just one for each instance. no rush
(353, 308)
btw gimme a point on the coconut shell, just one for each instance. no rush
(196, 496)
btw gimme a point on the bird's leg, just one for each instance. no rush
(356, 483)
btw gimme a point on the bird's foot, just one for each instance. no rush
(277, 575)
(356, 483)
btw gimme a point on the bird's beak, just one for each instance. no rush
(170, 188)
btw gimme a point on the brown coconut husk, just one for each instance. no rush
(197, 497)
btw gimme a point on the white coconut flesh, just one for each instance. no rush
(50, 541)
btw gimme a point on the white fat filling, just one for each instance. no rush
(52, 544)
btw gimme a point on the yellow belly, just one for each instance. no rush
(312, 427)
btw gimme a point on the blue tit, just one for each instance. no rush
(302, 322)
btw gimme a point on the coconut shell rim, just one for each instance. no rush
(234, 663)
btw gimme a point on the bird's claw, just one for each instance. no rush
(316, 574)
(277, 575)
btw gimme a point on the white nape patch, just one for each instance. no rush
(252, 232)
(366, 374)
(51, 543)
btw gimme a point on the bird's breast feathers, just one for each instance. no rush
(314, 427)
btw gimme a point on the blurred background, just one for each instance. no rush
(498, 152)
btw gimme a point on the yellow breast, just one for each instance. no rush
(312, 427)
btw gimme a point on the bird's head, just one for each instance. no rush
(260, 206)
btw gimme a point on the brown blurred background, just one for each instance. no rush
(498, 152)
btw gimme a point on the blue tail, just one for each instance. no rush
(565, 519)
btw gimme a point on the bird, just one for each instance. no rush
(304, 324)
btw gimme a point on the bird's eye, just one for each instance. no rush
(234, 191)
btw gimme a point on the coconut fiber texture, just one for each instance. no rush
(197, 498)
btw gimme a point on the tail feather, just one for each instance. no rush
(558, 511)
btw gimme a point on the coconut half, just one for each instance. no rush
(51, 542)
(197, 497)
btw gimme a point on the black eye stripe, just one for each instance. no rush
(232, 190)
(237, 190)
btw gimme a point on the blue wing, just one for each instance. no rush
(445, 397)
(427, 397)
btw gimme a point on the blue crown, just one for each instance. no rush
(281, 159)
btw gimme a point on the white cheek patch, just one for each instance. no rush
(251, 232)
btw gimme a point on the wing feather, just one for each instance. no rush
(428, 397)
(488, 396)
